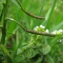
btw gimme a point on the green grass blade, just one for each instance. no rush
(57, 26)
(15, 2)
(49, 15)
(6, 52)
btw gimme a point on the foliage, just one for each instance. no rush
(23, 37)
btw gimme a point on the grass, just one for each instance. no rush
(18, 46)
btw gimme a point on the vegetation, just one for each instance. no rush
(31, 32)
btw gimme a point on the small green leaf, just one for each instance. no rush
(46, 49)
(50, 59)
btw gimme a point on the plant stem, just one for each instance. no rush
(32, 31)
(30, 14)
(4, 23)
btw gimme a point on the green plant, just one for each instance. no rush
(42, 45)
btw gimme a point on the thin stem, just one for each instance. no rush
(1, 15)
(30, 14)
(32, 31)
(4, 23)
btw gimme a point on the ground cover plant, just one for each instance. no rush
(31, 32)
